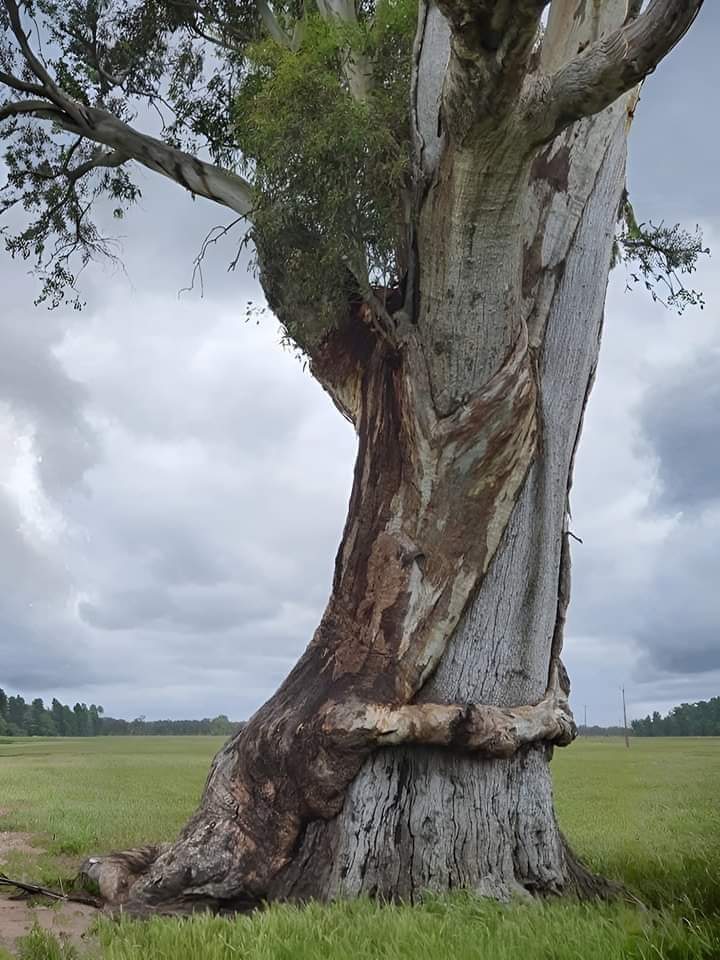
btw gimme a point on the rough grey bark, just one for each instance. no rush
(425, 819)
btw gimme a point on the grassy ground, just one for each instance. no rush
(648, 816)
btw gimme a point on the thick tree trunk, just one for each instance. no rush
(422, 818)
(452, 579)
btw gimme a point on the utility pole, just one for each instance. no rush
(625, 727)
(585, 722)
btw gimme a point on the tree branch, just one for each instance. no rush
(613, 65)
(98, 125)
(271, 24)
(478, 728)
(21, 85)
(112, 158)
(492, 41)
(38, 108)
(48, 86)
(357, 66)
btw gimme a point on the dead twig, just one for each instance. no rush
(34, 889)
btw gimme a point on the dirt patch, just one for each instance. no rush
(11, 842)
(68, 921)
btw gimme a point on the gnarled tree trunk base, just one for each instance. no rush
(512, 848)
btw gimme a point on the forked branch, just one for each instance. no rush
(613, 65)
(492, 42)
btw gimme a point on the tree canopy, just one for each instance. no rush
(295, 116)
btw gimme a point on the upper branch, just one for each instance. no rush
(493, 27)
(613, 65)
(272, 25)
(201, 178)
(101, 127)
(492, 42)
(357, 66)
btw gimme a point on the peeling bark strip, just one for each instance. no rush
(445, 623)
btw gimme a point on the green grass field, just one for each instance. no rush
(648, 816)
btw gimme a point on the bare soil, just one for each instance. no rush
(16, 843)
(67, 921)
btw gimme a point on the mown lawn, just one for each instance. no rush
(648, 816)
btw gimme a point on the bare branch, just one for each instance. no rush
(22, 85)
(357, 66)
(613, 65)
(49, 87)
(201, 178)
(113, 158)
(100, 126)
(271, 24)
(38, 108)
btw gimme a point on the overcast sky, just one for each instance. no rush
(173, 485)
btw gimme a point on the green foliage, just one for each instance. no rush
(41, 945)
(19, 719)
(701, 719)
(330, 169)
(658, 257)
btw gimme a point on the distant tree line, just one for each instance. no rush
(700, 719)
(21, 719)
(596, 731)
(217, 726)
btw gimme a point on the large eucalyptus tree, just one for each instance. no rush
(433, 198)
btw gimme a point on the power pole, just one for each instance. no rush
(585, 722)
(625, 726)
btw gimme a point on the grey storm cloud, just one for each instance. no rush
(43, 397)
(653, 580)
(680, 421)
(681, 629)
(201, 484)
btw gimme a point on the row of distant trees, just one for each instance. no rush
(701, 719)
(21, 719)
(217, 726)
(596, 731)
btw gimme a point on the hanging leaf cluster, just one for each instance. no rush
(659, 257)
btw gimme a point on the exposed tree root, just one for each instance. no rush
(586, 885)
